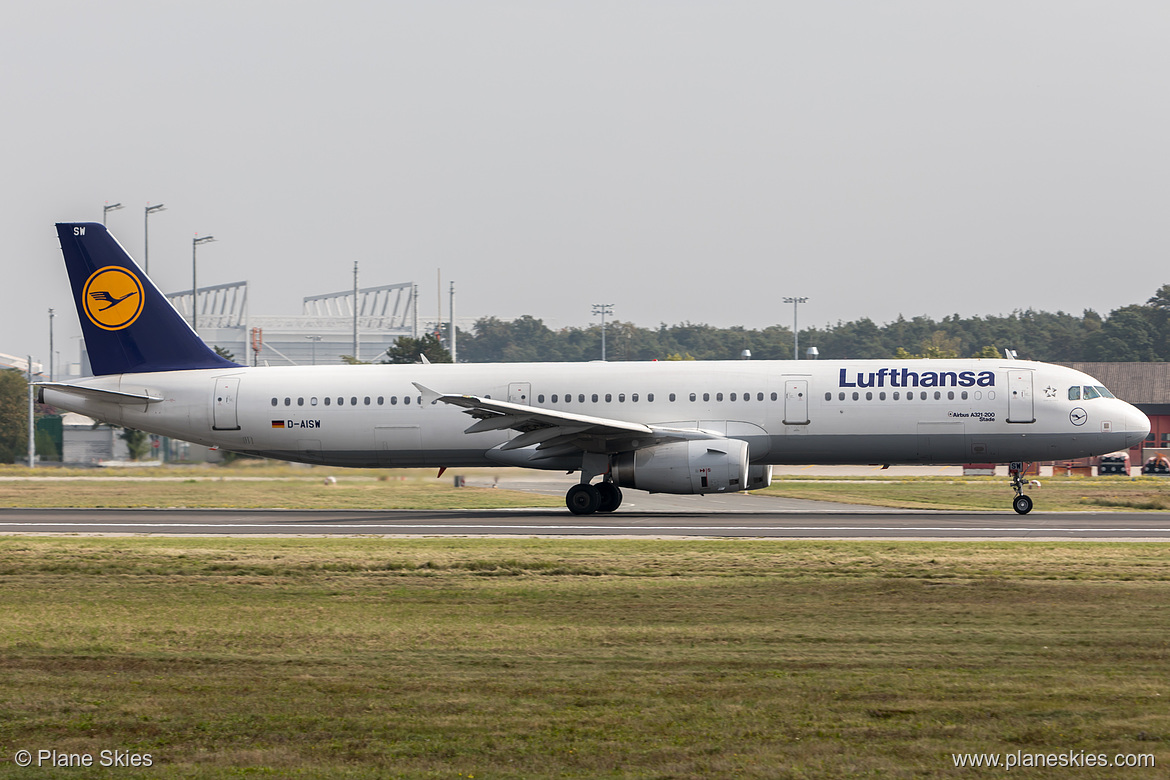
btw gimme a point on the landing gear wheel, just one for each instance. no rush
(583, 499)
(611, 496)
(1022, 504)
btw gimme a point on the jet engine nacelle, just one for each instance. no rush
(759, 477)
(703, 466)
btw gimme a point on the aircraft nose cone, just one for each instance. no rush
(1137, 427)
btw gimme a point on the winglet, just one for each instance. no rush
(429, 395)
(128, 324)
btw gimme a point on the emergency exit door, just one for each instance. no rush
(223, 404)
(795, 401)
(1021, 405)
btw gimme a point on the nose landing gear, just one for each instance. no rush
(1021, 503)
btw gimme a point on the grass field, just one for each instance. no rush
(456, 658)
(1056, 494)
(283, 486)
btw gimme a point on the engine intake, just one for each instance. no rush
(703, 466)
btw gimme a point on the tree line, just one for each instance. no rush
(1135, 333)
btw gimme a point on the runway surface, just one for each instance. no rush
(764, 521)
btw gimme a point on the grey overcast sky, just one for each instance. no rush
(685, 161)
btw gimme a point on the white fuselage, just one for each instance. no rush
(909, 411)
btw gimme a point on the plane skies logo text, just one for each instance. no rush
(296, 424)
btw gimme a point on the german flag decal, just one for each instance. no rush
(278, 423)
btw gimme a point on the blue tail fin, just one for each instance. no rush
(129, 326)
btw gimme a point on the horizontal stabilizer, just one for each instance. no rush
(96, 393)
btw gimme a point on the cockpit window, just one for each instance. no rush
(1074, 393)
(1105, 392)
(1090, 392)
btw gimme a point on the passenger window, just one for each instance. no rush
(300, 402)
(609, 398)
(540, 398)
(759, 396)
(897, 395)
(950, 395)
(274, 402)
(595, 398)
(554, 398)
(882, 395)
(671, 397)
(353, 401)
(692, 396)
(706, 396)
(856, 395)
(1090, 393)
(340, 401)
(869, 396)
(313, 401)
(719, 396)
(649, 398)
(774, 396)
(393, 400)
(923, 394)
(1074, 393)
(381, 400)
(367, 400)
(937, 395)
(621, 398)
(327, 400)
(963, 395)
(828, 396)
(581, 398)
(841, 396)
(634, 397)
(288, 402)
(731, 397)
(406, 400)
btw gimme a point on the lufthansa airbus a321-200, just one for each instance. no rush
(665, 427)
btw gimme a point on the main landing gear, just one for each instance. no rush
(1021, 503)
(585, 499)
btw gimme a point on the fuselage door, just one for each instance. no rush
(1021, 408)
(520, 393)
(795, 401)
(223, 404)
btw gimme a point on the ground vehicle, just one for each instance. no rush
(1158, 465)
(1113, 463)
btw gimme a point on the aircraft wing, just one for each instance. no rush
(556, 433)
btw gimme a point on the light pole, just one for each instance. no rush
(195, 242)
(795, 330)
(146, 233)
(50, 345)
(106, 209)
(314, 339)
(603, 309)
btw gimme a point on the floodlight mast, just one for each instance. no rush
(195, 242)
(603, 309)
(795, 329)
(146, 233)
(106, 209)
